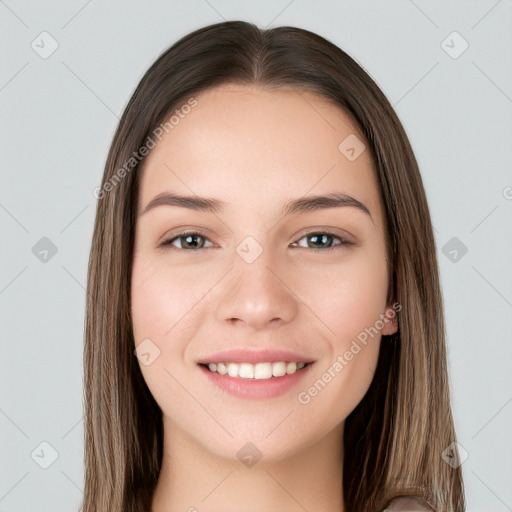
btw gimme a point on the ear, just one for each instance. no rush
(390, 319)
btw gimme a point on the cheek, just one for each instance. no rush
(351, 302)
(162, 306)
(149, 301)
(168, 308)
(351, 297)
(162, 298)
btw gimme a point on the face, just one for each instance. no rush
(282, 294)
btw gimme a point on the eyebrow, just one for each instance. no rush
(301, 205)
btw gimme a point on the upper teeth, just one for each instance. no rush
(256, 371)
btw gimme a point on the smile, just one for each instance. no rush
(259, 381)
(256, 371)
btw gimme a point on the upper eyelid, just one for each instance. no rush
(313, 233)
(344, 235)
(168, 241)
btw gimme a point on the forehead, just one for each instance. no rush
(254, 146)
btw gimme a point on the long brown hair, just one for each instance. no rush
(394, 439)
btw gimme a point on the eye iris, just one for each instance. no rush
(321, 240)
(191, 241)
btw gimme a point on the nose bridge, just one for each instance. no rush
(255, 294)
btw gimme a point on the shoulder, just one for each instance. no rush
(408, 504)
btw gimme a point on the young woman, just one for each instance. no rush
(264, 325)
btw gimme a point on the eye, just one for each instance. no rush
(189, 241)
(321, 241)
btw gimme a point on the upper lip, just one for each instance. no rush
(254, 356)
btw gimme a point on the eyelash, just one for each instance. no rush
(342, 241)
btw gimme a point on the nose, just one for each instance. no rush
(257, 295)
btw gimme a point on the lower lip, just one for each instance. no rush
(257, 389)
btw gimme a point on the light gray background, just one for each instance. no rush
(58, 116)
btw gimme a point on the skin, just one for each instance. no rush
(256, 149)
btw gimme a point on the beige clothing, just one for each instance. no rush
(408, 504)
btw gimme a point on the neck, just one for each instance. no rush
(193, 479)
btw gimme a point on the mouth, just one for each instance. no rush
(258, 371)
(258, 381)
